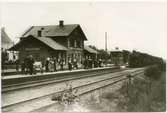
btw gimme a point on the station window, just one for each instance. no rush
(72, 44)
(75, 43)
(78, 44)
(81, 45)
(68, 43)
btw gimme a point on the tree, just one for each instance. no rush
(104, 54)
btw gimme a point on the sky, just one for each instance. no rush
(129, 25)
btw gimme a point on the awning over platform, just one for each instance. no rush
(90, 50)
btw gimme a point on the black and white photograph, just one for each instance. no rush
(83, 56)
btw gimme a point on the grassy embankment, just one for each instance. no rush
(146, 93)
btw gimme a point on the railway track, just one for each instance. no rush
(86, 92)
(43, 101)
(19, 86)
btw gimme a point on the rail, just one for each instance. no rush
(119, 78)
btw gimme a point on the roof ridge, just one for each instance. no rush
(25, 32)
(5, 36)
(52, 25)
(52, 30)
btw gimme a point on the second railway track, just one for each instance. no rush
(35, 103)
(18, 86)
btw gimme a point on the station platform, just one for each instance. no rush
(39, 74)
(10, 72)
(46, 75)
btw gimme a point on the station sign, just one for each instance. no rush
(32, 49)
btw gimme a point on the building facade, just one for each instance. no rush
(61, 41)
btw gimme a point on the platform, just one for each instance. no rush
(46, 75)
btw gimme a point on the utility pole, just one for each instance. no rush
(106, 41)
(106, 47)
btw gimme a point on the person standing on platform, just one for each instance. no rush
(30, 64)
(61, 63)
(51, 65)
(70, 65)
(42, 66)
(95, 63)
(75, 63)
(55, 63)
(90, 62)
(47, 64)
(86, 63)
(23, 67)
(17, 65)
(100, 62)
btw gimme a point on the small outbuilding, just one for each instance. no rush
(6, 43)
(90, 52)
(116, 57)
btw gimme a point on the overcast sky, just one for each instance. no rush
(129, 25)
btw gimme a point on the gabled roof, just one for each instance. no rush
(51, 30)
(51, 43)
(47, 41)
(90, 50)
(5, 38)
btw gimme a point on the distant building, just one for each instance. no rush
(117, 57)
(6, 43)
(61, 41)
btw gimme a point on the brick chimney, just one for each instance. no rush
(61, 23)
(39, 32)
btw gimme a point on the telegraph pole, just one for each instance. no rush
(106, 41)
(106, 47)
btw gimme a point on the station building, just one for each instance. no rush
(60, 41)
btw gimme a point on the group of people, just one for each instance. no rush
(51, 64)
(90, 63)
(72, 64)
(28, 65)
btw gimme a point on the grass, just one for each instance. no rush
(142, 95)
(143, 98)
(137, 97)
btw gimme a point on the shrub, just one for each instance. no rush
(68, 96)
(153, 72)
(162, 66)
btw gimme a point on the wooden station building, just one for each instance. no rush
(60, 41)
